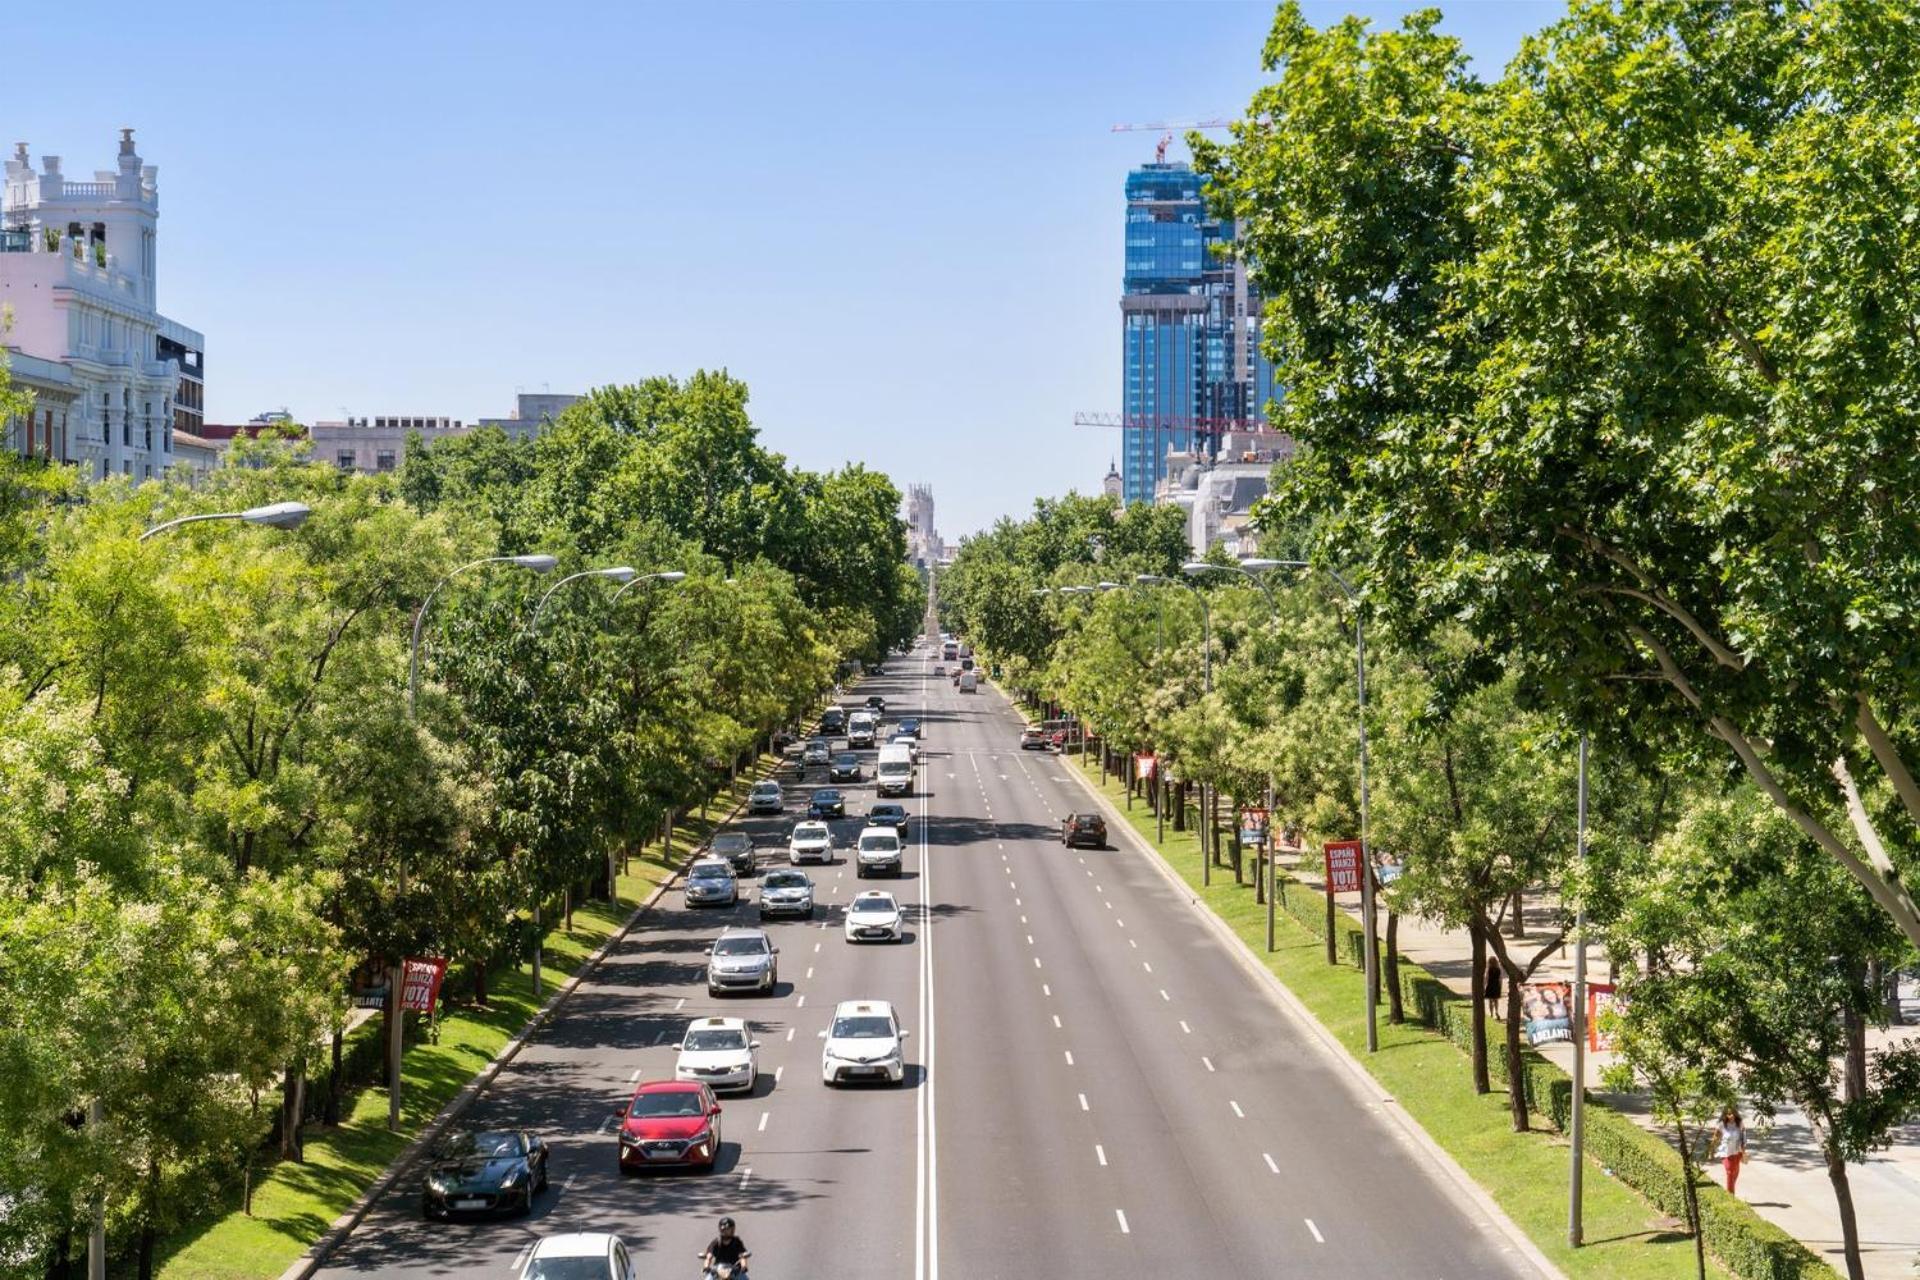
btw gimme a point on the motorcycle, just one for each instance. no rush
(721, 1270)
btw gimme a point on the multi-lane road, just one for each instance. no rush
(1096, 1087)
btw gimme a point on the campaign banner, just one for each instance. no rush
(1343, 866)
(1253, 826)
(1143, 765)
(374, 997)
(420, 988)
(1390, 867)
(1546, 1012)
(1601, 1000)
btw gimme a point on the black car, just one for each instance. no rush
(845, 768)
(910, 724)
(876, 702)
(484, 1171)
(827, 802)
(888, 814)
(737, 848)
(1084, 831)
(833, 720)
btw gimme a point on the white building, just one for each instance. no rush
(379, 443)
(79, 271)
(1218, 492)
(533, 412)
(924, 547)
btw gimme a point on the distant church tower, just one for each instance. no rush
(1111, 486)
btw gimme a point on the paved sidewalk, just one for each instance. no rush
(1784, 1178)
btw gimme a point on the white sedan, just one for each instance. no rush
(873, 917)
(579, 1255)
(719, 1053)
(810, 842)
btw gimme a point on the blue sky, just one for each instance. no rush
(901, 224)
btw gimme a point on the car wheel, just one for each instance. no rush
(426, 1211)
(626, 1170)
(713, 993)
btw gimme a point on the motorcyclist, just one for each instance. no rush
(726, 1249)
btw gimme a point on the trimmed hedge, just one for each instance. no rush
(1745, 1243)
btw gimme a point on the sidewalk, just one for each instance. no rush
(1784, 1178)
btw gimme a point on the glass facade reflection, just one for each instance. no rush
(1189, 326)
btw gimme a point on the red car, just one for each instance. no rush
(668, 1123)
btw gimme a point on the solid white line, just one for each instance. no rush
(1207, 1063)
(1125, 1230)
(1083, 1103)
(1316, 1232)
(1270, 1164)
(1236, 1108)
(764, 1116)
(1069, 1054)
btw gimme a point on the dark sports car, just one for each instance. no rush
(484, 1171)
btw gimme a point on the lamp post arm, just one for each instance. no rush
(548, 595)
(180, 520)
(420, 621)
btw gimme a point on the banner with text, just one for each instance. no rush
(420, 988)
(1546, 1011)
(1601, 1001)
(1343, 866)
(1253, 827)
(1143, 766)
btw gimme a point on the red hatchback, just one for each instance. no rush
(667, 1123)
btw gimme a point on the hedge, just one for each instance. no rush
(1745, 1243)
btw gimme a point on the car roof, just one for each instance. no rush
(826, 791)
(888, 806)
(733, 837)
(811, 824)
(717, 1024)
(880, 831)
(871, 895)
(769, 784)
(743, 931)
(712, 864)
(670, 1086)
(575, 1244)
(860, 1008)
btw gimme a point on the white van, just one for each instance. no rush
(969, 682)
(861, 728)
(894, 777)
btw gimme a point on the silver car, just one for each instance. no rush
(766, 797)
(786, 892)
(743, 960)
(710, 883)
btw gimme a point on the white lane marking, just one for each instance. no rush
(1163, 995)
(1318, 1238)
(568, 1184)
(777, 1073)
(764, 1115)
(604, 1124)
(809, 971)
(926, 1258)
(1069, 1054)
(816, 948)
(1083, 1103)
(823, 924)
(1097, 888)
(1184, 1027)
(1207, 1063)
(635, 1077)
(1045, 990)
(790, 1031)
(1270, 1164)
(1029, 939)
(1056, 1020)
(1036, 962)
(680, 1004)
(1109, 906)
(1016, 902)
(1143, 965)
(744, 1175)
(802, 1003)
(1125, 1230)
(1133, 944)
(1012, 885)
(1236, 1108)
(1122, 923)
(1100, 1153)
(520, 1258)
(1023, 919)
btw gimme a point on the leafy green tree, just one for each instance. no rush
(1598, 360)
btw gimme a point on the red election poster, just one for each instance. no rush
(1343, 866)
(1600, 1000)
(421, 986)
(1143, 766)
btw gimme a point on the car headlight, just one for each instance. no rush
(436, 1184)
(512, 1180)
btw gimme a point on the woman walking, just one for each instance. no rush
(1490, 986)
(1730, 1144)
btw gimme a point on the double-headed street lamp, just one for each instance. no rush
(1206, 652)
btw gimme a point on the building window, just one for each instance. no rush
(344, 459)
(383, 460)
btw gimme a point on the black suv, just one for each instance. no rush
(845, 768)
(833, 720)
(829, 803)
(1084, 831)
(737, 848)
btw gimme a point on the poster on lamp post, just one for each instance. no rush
(1253, 828)
(1343, 866)
(1601, 1001)
(1546, 1011)
(420, 987)
(1143, 765)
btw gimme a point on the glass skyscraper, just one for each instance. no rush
(1190, 325)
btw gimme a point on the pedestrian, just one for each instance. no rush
(1730, 1144)
(1490, 986)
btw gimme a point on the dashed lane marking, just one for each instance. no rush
(1036, 962)
(1121, 1214)
(635, 1077)
(809, 971)
(1270, 1164)
(790, 1031)
(1083, 1103)
(1069, 1054)
(1056, 1023)
(764, 1115)
(1207, 1063)
(1317, 1237)
(1236, 1108)
(1143, 965)
(1045, 990)
(680, 1004)
(1163, 996)
(1184, 1027)
(1100, 1154)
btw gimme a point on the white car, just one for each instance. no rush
(579, 1255)
(766, 797)
(873, 917)
(719, 1053)
(863, 1043)
(908, 740)
(878, 852)
(810, 842)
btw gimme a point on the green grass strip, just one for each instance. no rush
(295, 1203)
(1525, 1173)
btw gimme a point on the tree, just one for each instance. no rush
(1601, 362)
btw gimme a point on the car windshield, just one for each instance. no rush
(740, 946)
(825, 797)
(888, 843)
(733, 840)
(909, 726)
(715, 872)
(684, 1102)
(767, 788)
(846, 759)
(887, 811)
(862, 1027)
(714, 1039)
(883, 905)
(483, 1146)
(785, 880)
(568, 1269)
(810, 831)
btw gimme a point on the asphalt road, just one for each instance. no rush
(1095, 1087)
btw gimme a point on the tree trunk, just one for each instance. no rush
(566, 906)
(61, 1259)
(480, 981)
(1843, 1200)
(1180, 805)
(1517, 921)
(1855, 1067)
(1373, 987)
(1396, 1010)
(1477, 939)
(147, 1232)
(1237, 860)
(293, 1096)
(1333, 944)
(331, 1115)
(1692, 1198)
(1516, 1072)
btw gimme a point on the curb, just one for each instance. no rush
(1461, 1183)
(343, 1226)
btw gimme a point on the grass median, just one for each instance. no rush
(1525, 1173)
(294, 1203)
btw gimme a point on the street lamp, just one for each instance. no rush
(615, 573)
(1206, 654)
(277, 515)
(665, 575)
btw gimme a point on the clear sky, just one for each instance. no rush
(899, 223)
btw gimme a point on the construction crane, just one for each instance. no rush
(1208, 433)
(1166, 129)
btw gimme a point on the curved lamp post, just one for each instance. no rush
(277, 515)
(615, 573)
